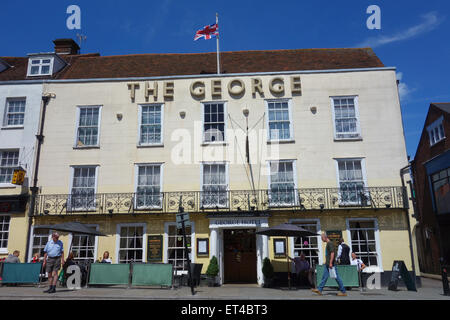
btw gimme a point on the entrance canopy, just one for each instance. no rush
(72, 227)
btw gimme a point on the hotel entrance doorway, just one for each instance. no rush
(239, 256)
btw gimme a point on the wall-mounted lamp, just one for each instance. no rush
(182, 114)
(245, 111)
(313, 109)
(119, 116)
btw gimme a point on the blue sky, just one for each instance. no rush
(414, 35)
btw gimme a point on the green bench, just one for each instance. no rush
(348, 274)
(21, 272)
(137, 274)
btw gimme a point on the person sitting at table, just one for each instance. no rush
(106, 258)
(302, 269)
(14, 257)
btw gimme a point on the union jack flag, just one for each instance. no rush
(207, 32)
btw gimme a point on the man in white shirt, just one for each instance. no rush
(357, 262)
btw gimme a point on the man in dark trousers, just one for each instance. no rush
(329, 263)
(343, 254)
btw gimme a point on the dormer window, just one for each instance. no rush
(40, 66)
(436, 131)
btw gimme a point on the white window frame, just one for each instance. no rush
(78, 126)
(291, 122)
(2, 249)
(227, 179)
(166, 244)
(5, 118)
(30, 247)
(136, 183)
(72, 173)
(40, 65)
(94, 226)
(363, 169)
(294, 173)
(434, 131)
(155, 144)
(9, 184)
(225, 123)
(358, 119)
(144, 239)
(369, 269)
(319, 231)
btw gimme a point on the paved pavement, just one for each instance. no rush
(431, 290)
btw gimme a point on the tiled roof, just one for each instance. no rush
(149, 65)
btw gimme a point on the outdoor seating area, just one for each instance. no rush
(125, 274)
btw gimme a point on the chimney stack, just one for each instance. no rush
(66, 46)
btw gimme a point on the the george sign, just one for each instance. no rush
(399, 270)
(155, 245)
(18, 176)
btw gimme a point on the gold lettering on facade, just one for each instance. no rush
(151, 91)
(257, 86)
(276, 85)
(197, 89)
(216, 88)
(168, 90)
(296, 85)
(236, 87)
(132, 87)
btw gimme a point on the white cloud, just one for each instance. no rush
(403, 90)
(430, 21)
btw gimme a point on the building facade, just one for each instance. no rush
(431, 171)
(131, 139)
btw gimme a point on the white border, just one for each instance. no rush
(78, 124)
(156, 144)
(136, 177)
(225, 123)
(52, 59)
(166, 243)
(358, 119)
(435, 124)
(295, 177)
(378, 268)
(91, 225)
(291, 122)
(319, 240)
(5, 250)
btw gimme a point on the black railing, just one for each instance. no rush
(222, 201)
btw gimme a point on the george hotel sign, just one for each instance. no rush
(235, 222)
(199, 89)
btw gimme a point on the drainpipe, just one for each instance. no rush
(405, 200)
(34, 189)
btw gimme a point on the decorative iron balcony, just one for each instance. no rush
(222, 201)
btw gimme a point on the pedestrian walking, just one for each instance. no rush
(53, 260)
(329, 267)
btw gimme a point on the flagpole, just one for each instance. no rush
(217, 41)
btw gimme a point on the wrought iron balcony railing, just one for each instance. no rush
(222, 201)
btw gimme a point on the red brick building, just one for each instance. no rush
(431, 171)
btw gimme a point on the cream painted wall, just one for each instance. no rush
(382, 146)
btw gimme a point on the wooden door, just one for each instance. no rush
(240, 256)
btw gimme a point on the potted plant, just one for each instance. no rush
(268, 273)
(212, 271)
